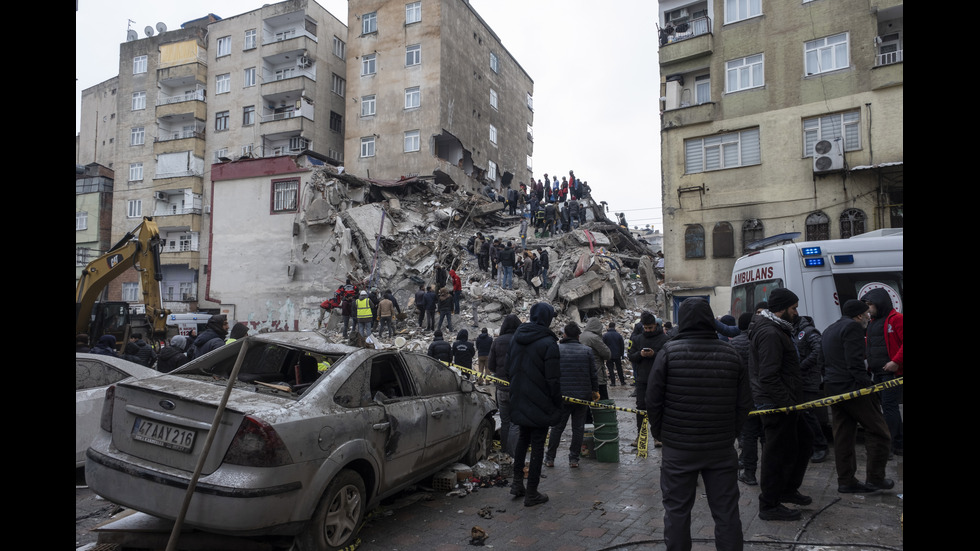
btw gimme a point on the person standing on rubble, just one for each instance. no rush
(457, 289)
(445, 308)
(484, 255)
(507, 260)
(523, 231)
(386, 311)
(430, 301)
(543, 254)
(550, 213)
(420, 304)
(442, 276)
(494, 247)
(364, 311)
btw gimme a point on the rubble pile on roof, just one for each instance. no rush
(390, 235)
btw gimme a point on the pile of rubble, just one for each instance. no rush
(390, 235)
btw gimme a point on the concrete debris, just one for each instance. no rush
(391, 235)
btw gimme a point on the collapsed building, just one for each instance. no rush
(287, 232)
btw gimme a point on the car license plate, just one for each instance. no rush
(164, 435)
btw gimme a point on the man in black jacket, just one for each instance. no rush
(497, 363)
(579, 381)
(697, 399)
(777, 382)
(808, 343)
(463, 351)
(440, 349)
(642, 353)
(535, 387)
(843, 345)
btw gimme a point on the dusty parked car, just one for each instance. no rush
(295, 452)
(93, 375)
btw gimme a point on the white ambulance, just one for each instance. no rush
(824, 274)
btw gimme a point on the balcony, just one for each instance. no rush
(686, 41)
(888, 58)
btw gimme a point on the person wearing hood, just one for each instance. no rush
(238, 331)
(483, 344)
(777, 382)
(440, 349)
(698, 397)
(131, 353)
(533, 366)
(106, 346)
(886, 359)
(81, 343)
(147, 356)
(808, 343)
(727, 327)
(497, 364)
(578, 380)
(642, 353)
(212, 338)
(172, 357)
(463, 352)
(592, 337)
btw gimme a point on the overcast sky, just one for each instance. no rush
(594, 68)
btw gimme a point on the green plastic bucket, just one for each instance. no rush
(607, 451)
(604, 416)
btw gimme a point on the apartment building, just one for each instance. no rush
(432, 91)
(93, 213)
(777, 117)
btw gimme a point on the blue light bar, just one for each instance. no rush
(813, 262)
(810, 251)
(843, 259)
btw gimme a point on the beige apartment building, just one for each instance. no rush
(777, 117)
(432, 91)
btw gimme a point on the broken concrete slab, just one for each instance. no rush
(580, 286)
(484, 209)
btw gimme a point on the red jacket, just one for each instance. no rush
(457, 283)
(894, 339)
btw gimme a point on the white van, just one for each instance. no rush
(824, 274)
(182, 324)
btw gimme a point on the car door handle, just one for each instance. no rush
(381, 426)
(438, 413)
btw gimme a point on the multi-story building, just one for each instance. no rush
(777, 117)
(431, 90)
(93, 214)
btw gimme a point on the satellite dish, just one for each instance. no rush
(161, 28)
(131, 35)
(148, 30)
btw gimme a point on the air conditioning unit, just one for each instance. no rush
(828, 156)
(160, 195)
(304, 61)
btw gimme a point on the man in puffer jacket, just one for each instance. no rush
(592, 337)
(497, 364)
(535, 387)
(578, 380)
(886, 359)
(172, 357)
(698, 397)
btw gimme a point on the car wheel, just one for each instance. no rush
(338, 517)
(481, 444)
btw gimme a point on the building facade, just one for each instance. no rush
(777, 117)
(431, 90)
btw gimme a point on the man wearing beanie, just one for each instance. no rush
(777, 382)
(845, 371)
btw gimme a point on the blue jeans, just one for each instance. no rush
(508, 277)
(544, 277)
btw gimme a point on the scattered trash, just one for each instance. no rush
(478, 536)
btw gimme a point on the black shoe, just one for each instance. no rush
(779, 512)
(746, 477)
(884, 484)
(517, 488)
(796, 498)
(855, 488)
(535, 498)
(819, 456)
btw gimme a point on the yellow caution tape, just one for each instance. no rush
(893, 383)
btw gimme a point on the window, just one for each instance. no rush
(221, 120)
(491, 171)
(702, 89)
(137, 136)
(134, 208)
(298, 143)
(493, 63)
(131, 292)
(368, 105)
(81, 221)
(694, 241)
(220, 154)
(413, 12)
(826, 54)
(723, 240)
(248, 115)
(249, 39)
(742, 74)
(336, 122)
(413, 55)
(752, 231)
(530, 101)
(369, 64)
(725, 151)
(412, 141)
(249, 77)
(737, 10)
(852, 223)
(222, 84)
(339, 48)
(493, 134)
(337, 85)
(369, 23)
(283, 74)
(284, 195)
(367, 146)
(529, 165)
(836, 127)
(139, 64)
(493, 98)
(224, 46)
(413, 97)
(285, 35)
(135, 172)
(817, 227)
(139, 101)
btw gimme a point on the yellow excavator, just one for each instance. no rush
(139, 249)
